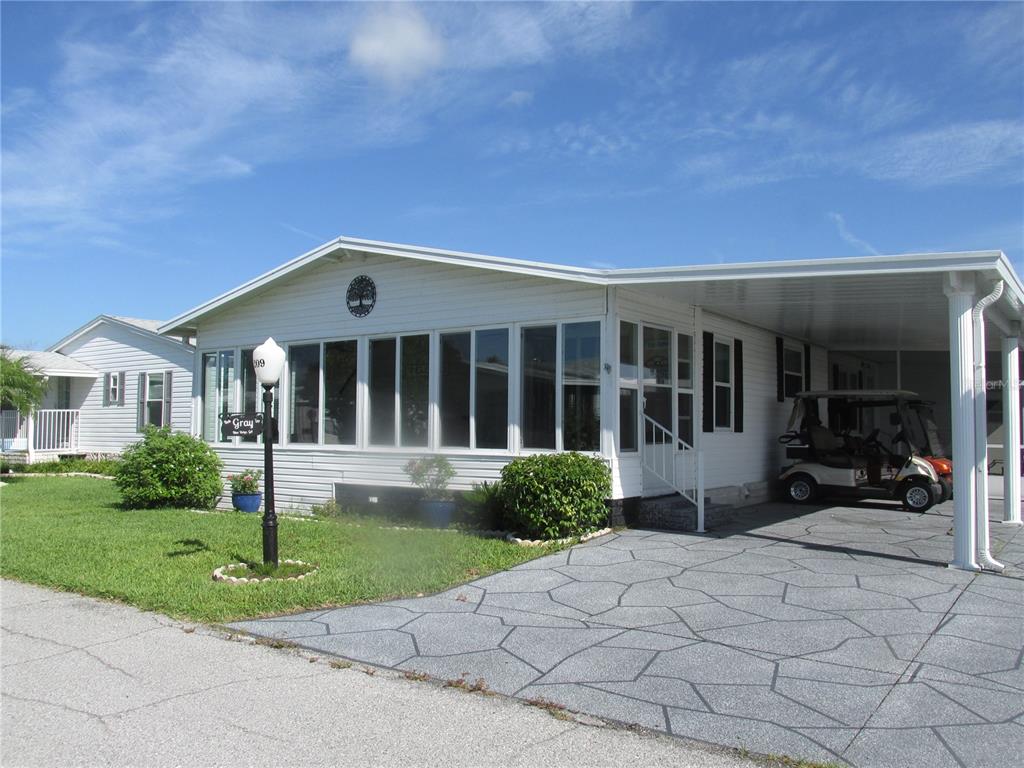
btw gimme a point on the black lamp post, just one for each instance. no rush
(267, 361)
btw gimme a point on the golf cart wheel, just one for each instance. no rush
(801, 488)
(947, 491)
(918, 497)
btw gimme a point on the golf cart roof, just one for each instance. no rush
(860, 394)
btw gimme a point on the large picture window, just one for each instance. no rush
(304, 393)
(581, 386)
(539, 347)
(400, 387)
(414, 397)
(382, 391)
(491, 411)
(218, 391)
(340, 386)
(455, 387)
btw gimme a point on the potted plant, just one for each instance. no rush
(245, 490)
(431, 475)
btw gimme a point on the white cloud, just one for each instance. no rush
(991, 150)
(396, 44)
(848, 237)
(518, 99)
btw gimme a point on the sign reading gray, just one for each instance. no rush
(241, 424)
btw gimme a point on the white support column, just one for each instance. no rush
(960, 293)
(985, 559)
(1011, 428)
(609, 383)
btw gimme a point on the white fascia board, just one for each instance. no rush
(100, 319)
(538, 269)
(860, 266)
(461, 258)
(73, 374)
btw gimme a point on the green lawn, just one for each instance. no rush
(70, 534)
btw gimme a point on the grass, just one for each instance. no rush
(263, 570)
(70, 533)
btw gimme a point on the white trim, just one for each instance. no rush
(100, 319)
(343, 248)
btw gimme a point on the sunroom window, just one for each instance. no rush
(581, 386)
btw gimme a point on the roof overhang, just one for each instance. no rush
(870, 302)
(54, 364)
(109, 320)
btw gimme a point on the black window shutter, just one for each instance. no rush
(708, 376)
(737, 357)
(780, 378)
(807, 367)
(140, 412)
(120, 388)
(167, 398)
(106, 389)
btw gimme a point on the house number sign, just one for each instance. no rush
(361, 296)
(241, 424)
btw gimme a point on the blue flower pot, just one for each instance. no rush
(246, 502)
(437, 513)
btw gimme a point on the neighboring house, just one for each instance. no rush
(107, 380)
(676, 376)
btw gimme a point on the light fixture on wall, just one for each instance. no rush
(268, 362)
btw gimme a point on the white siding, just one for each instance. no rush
(306, 475)
(411, 295)
(738, 466)
(111, 349)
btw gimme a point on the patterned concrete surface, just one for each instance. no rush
(836, 634)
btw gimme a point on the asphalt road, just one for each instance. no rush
(86, 682)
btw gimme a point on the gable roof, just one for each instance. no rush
(54, 363)
(147, 328)
(970, 261)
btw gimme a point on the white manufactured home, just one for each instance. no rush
(106, 382)
(678, 377)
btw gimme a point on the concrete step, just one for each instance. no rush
(674, 513)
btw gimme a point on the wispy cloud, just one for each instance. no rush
(517, 99)
(848, 237)
(213, 92)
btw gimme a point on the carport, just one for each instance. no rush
(963, 303)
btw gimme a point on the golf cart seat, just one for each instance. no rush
(831, 451)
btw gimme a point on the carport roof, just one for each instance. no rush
(871, 302)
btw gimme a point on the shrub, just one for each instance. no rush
(247, 482)
(554, 495)
(431, 474)
(169, 469)
(482, 507)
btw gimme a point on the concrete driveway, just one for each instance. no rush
(832, 634)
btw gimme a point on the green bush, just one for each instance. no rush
(554, 495)
(482, 507)
(169, 469)
(92, 466)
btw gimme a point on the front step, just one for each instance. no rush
(674, 513)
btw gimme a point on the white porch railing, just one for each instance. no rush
(676, 463)
(45, 430)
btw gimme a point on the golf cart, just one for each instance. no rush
(865, 451)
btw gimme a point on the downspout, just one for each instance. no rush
(985, 559)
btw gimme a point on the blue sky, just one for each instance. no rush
(155, 155)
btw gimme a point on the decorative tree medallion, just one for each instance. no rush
(361, 296)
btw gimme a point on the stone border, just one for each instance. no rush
(220, 575)
(541, 542)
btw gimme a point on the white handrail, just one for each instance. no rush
(659, 458)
